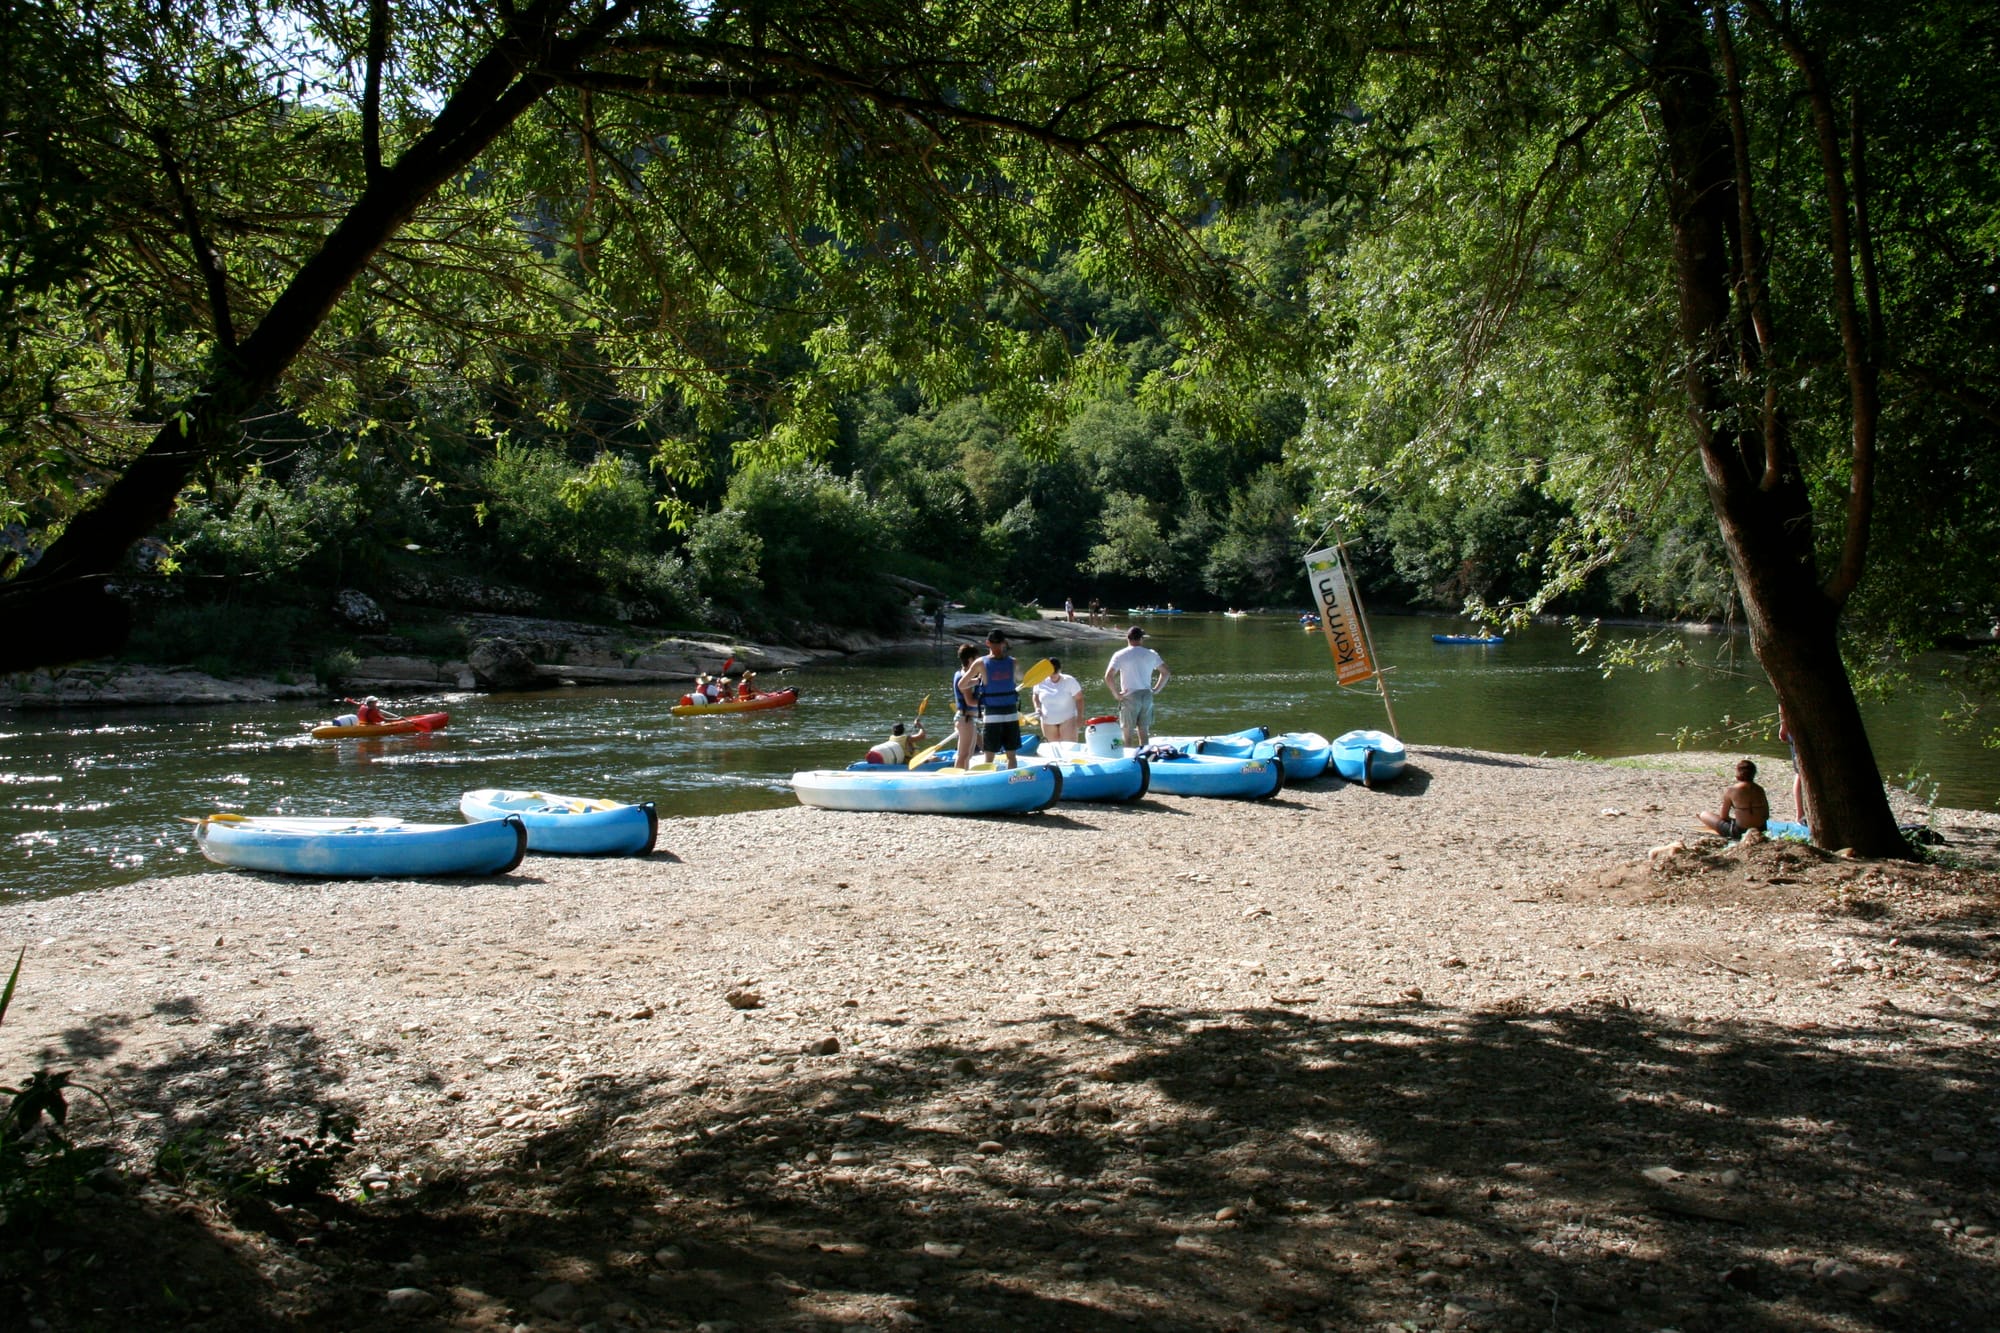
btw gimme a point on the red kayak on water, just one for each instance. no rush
(402, 726)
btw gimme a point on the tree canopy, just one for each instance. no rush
(232, 213)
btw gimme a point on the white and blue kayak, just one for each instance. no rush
(569, 825)
(1178, 772)
(931, 791)
(333, 848)
(1086, 776)
(1092, 777)
(1369, 757)
(1306, 753)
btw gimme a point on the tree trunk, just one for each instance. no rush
(1766, 521)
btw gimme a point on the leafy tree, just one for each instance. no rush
(1134, 547)
(1257, 558)
(821, 545)
(1695, 241)
(217, 206)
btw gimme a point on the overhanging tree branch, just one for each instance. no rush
(371, 91)
(215, 282)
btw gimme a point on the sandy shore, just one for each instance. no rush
(1432, 1052)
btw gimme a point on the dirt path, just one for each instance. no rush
(1482, 1050)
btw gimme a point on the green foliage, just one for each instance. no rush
(1133, 547)
(297, 1166)
(224, 638)
(1256, 559)
(819, 547)
(595, 526)
(726, 554)
(255, 527)
(332, 668)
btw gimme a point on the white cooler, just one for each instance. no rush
(1102, 736)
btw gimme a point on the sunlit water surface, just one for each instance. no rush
(94, 798)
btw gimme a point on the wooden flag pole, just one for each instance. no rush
(1368, 638)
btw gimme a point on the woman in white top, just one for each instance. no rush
(1059, 704)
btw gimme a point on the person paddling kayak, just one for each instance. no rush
(897, 749)
(368, 713)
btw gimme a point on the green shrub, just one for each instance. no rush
(558, 525)
(222, 638)
(335, 666)
(822, 546)
(297, 1167)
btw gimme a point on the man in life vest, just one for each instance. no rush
(898, 748)
(369, 712)
(999, 701)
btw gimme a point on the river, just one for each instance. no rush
(95, 798)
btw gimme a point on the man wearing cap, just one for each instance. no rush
(1135, 675)
(369, 711)
(999, 701)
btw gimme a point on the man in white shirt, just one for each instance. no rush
(1135, 675)
(1059, 704)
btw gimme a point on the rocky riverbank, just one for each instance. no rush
(1509, 1045)
(505, 652)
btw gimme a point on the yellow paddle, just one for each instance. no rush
(923, 757)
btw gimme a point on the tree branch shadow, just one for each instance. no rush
(1166, 1168)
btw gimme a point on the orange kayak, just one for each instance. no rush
(402, 726)
(774, 699)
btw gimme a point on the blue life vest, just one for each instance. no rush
(1000, 695)
(968, 701)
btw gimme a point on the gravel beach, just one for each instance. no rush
(1509, 1044)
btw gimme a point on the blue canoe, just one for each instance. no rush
(1086, 776)
(362, 848)
(931, 791)
(569, 825)
(1468, 638)
(1093, 777)
(1178, 772)
(1244, 742)
(1306, 753)
(1369, 757)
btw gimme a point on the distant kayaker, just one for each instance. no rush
(369, 712)
(1059, 704)
(1744, 805)
(897, 749)
(965, 704)
(746, 686)
(999, 702)
(1136, 673)
(706, 689)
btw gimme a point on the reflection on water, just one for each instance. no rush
(92, 798)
